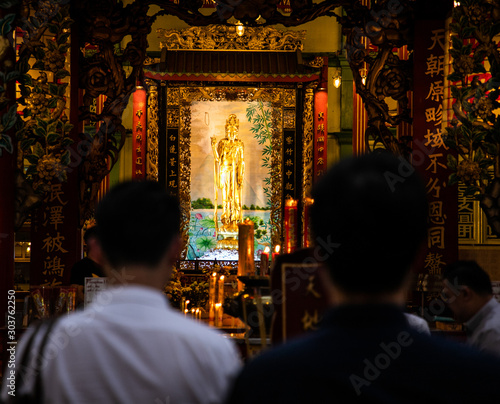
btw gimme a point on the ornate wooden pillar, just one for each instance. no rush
(55, 227)
(8, 153)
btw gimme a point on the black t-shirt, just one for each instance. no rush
(85, 268)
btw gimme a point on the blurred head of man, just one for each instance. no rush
(467, 288)
(138, 231)
(90, 239)
(370, 217)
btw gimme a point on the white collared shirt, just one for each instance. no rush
(483, 329)
(130, 346)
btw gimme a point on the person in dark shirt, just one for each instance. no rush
(369, 220)
(88, 267)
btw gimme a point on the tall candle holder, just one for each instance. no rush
(246, 264)
(264, 262)
(290, 225)
(306, 242)
(211, 298)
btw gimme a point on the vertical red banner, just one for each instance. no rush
(430, 152)
(139, 134)
(320, 131)
(55, 237)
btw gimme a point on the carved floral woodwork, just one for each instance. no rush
(474, 131)
(223, 37)
(43, 133)
(104, 24)
(249, 12)
(378, 71)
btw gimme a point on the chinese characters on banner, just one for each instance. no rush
(320, 132)
(173, 161)
(299, 299)
(55, 242)
(139, 134)
(430, 152)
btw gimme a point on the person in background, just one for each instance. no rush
(418, 323)
(129, 345)
(369, 219)
(468, 293)
(87, 267)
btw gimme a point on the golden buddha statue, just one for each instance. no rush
(229, 170)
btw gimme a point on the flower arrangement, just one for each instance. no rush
(196, 292)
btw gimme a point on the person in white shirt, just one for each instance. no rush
(468, 293)
(129, 345)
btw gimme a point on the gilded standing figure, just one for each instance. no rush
(229, 173)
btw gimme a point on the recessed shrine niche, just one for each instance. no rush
(230, 132)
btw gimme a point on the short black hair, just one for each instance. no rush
(137, 221)
(468, 273)
(371, 213)
(91, 232)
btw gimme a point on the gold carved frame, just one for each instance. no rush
(179, 100)
(178, 115)
(283, 101)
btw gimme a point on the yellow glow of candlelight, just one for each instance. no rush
(222, 277)
(267, 249)
(277, 249)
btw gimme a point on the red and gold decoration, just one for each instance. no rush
(55, 239)
(139, 133)
(320, 131)
(430, 151)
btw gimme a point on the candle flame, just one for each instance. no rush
(214, 274)
(277, 249)
(221, 277)
(267, 249)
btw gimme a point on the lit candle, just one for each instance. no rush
(246, 265)
(220, 293)
(307, 226)
(264, 261)
(290, 225)
(211, 298)
(218, 314)
(276, 252)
